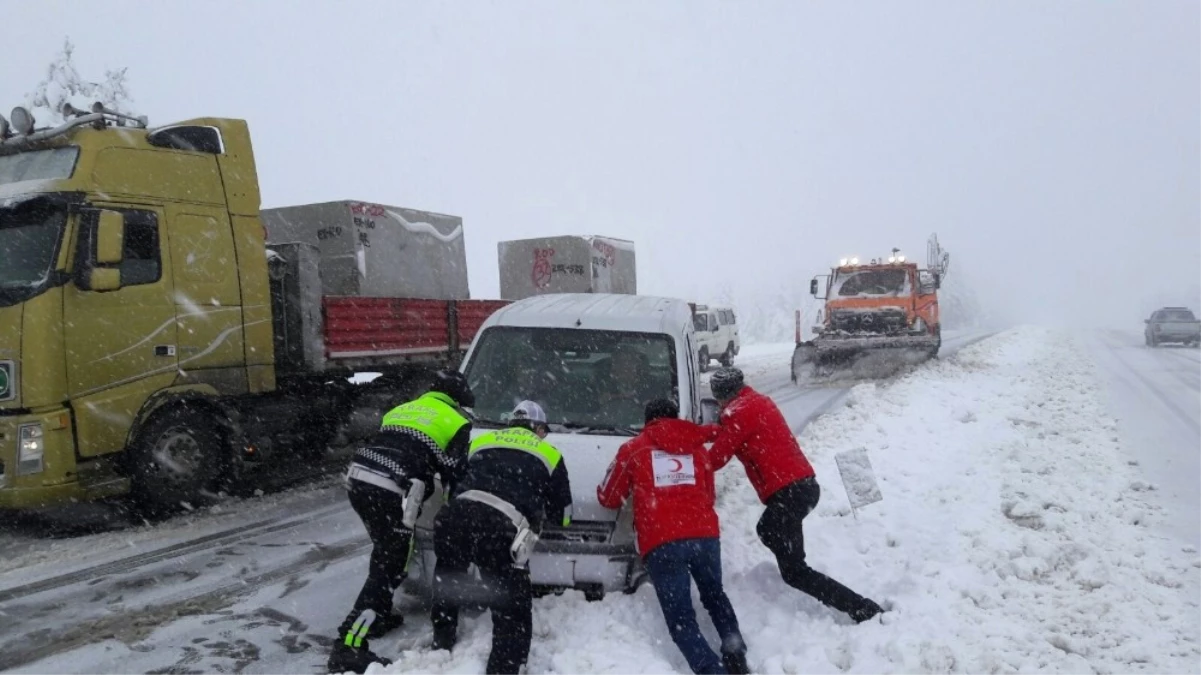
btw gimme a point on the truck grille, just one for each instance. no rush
(882, 321)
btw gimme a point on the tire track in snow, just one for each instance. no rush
(131, 626)
(192, 546)
(1188, 420)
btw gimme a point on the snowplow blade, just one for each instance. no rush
(860, 357)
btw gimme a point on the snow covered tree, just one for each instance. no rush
(63, 84)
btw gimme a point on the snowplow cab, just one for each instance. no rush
(884, 311)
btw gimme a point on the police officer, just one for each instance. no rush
(389, 480)
(514, 482)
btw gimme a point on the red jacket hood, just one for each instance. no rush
(676, 436)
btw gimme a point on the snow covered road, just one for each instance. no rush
(267, 578)
(1013, 537)
(1156, 396)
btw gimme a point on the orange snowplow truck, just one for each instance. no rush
(886, 307)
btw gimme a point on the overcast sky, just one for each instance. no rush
(1054, 147)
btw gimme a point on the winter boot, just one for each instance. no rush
(345, 659)
(866, 611)
(387, 624)
(735, 663)
(445, 639)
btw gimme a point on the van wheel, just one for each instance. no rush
(704, 359)
(727, 357)
(174, 458)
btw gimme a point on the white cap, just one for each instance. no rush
(528, 410)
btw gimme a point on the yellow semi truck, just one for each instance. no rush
(153, 343)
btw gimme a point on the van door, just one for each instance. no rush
(121, 345)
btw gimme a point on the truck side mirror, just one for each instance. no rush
(710, 411)
(1146, 320)
(937, 281)
(110, 238)
(104, 279)
(813, 287)
(100, 271)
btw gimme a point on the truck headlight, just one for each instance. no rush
(30, 447)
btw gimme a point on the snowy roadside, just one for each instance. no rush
(1013, 537)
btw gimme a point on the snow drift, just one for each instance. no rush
(1013, 537)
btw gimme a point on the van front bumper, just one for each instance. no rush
(596, 568)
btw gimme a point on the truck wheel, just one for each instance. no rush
(727, 357)
(174, 458)
(704, 359)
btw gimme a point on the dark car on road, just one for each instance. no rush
(1172, 324)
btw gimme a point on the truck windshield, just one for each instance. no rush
(586, 380)
(29, 235)
(50, 164)
(872, 282)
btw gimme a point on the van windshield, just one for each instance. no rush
(590, 381)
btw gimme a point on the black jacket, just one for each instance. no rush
(522, 479)
(404, 457)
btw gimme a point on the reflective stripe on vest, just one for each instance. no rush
(517, 438)
(433, 414)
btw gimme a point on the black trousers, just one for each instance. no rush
(780, 529)
(467, 533)
(391, 545)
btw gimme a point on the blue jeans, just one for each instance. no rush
(672, 567)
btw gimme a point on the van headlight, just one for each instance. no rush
(31, 444)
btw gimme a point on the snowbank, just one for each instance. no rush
(1013, 537)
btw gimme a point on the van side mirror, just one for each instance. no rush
(813, 287)
(710, 411)
(110, 238)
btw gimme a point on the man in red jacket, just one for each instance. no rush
(754, 430)
(668, 472)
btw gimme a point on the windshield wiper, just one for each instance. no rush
(599, 428)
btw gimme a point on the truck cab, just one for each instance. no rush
(884, 310)
(118, 291)
(592, 361)
(880, 299)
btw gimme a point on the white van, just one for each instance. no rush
(591, 361)
(716, 335)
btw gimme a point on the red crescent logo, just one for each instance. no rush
(678, 465)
